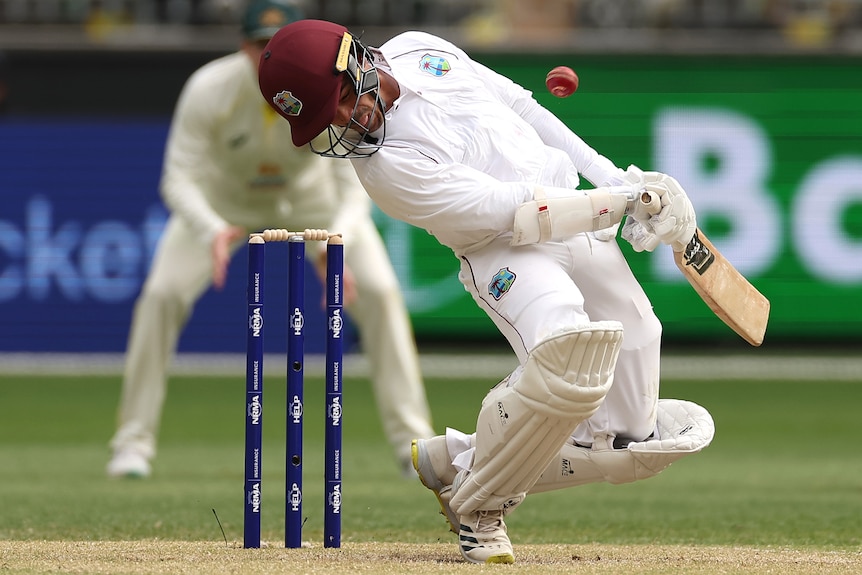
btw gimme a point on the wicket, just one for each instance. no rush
(295, 385)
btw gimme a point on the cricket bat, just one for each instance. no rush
(727, 293)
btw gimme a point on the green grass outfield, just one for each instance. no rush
(779, 490)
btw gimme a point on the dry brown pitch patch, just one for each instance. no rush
(209, 558)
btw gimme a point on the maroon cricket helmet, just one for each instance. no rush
(298, 77)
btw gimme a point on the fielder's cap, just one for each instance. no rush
(263, 18)
(298, 76)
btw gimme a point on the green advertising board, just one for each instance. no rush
(769, 150)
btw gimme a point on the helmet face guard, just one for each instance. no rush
(356, 63)
(302, 74)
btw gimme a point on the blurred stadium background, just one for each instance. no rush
(628, 25)
(752, 100)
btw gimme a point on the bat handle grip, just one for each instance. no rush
(651, 202)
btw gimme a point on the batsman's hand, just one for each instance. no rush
(221, 252)
(640, 235)
(675, 224)
(634, 177)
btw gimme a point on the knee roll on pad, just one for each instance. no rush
(569, 374)
(521, 428)
(682, 428)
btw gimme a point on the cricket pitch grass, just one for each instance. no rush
(779, 490)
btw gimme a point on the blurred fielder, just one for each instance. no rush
(230, 168)
(443, 143)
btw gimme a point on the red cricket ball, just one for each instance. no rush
(561, 81)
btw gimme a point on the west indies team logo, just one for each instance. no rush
(434, 65)
(287, 103)
(500, 283)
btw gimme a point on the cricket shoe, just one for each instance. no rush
(423, 451)
(129, 463)
(482, 537)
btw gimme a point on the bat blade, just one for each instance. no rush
(727, 293)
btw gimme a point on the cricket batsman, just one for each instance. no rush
(443, 143)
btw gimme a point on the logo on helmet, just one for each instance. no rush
(287, 103)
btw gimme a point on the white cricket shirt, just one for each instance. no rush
(465, 146)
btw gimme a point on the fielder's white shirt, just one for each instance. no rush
(465, 146)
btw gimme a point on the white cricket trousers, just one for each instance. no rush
(566, 284)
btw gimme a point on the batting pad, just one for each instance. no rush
(521, 428)
(682, 428)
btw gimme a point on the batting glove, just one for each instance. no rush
(640, 235)
(634, 177)
(675, 224)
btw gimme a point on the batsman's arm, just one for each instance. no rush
(570, 212)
